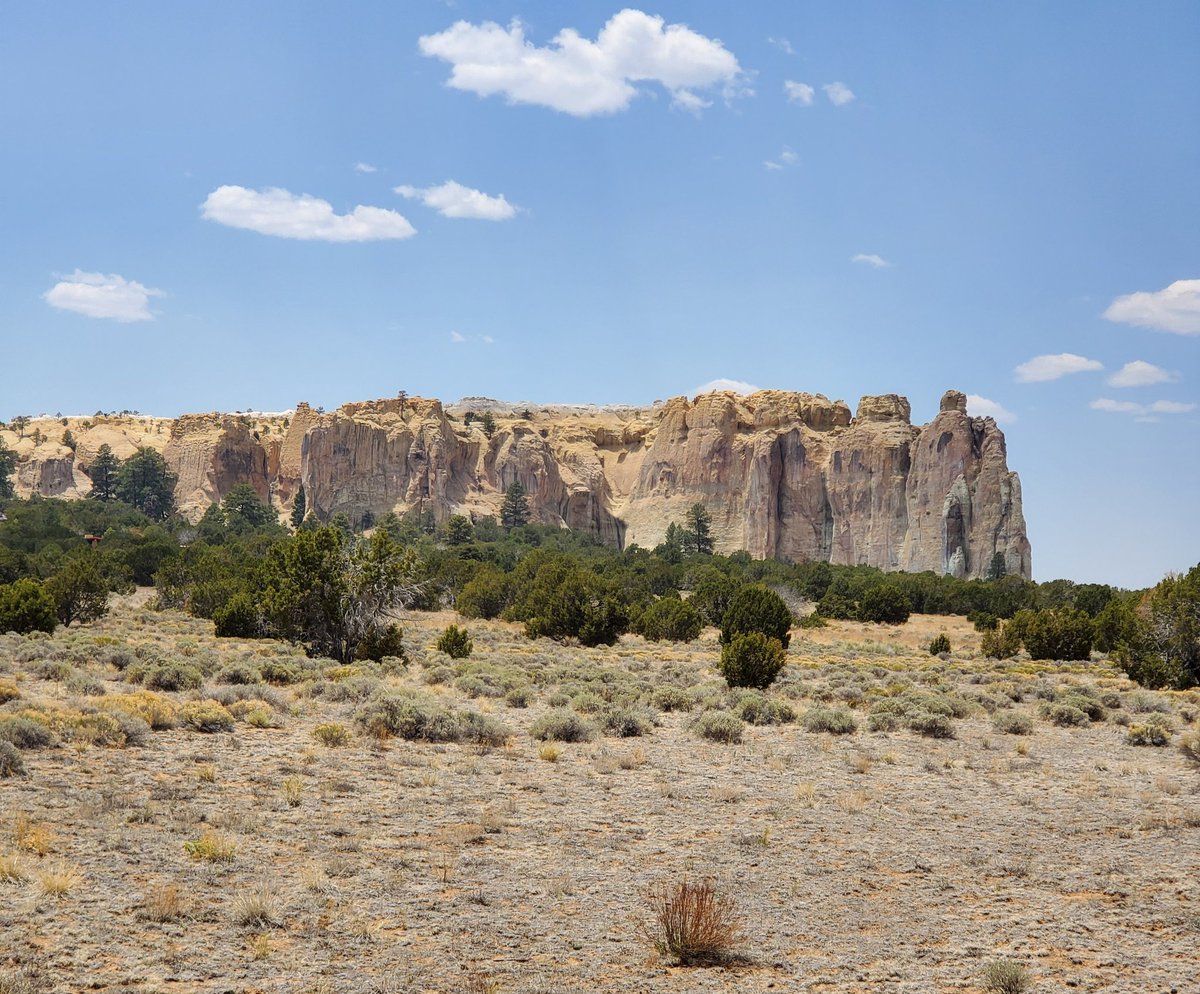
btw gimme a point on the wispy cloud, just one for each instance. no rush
(99, 296)
(839, 94)
(876, 261)
(455, 200)
(1142, 410)
(364, 167)
(288, 215)
(1043, 368)
(723, 385)
(799, 93)
(582, 77)
(457, 338)
(783, 45)
(786, 158)
(1139, 374)
(981, 407)
(1175, 309)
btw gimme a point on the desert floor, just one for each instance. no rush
(261, 859)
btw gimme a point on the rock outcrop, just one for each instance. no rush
(786, 475)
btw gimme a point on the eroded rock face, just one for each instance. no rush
(787, 475)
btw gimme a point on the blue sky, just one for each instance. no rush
(227, 206)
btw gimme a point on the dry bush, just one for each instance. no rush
(331, 734)
(57, 879)
(36, 839)
(1189, 745)
(211, 847)
(1005, 977)
(162, 904)
(293, 791)
(693, 922)
(257, 907)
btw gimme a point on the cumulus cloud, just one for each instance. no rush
(981, 407)
(1142, 410)
(582, 77)
(100, 296)
(839, 94)
(1175, 309)
(719, 385)
(364, 167)
(799, 93)
(877, 261)
(1139, 374)
(288, 215)
(455, 200)
(1042, 368)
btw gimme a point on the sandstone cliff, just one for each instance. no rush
(788, 475)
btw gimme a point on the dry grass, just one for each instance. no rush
(693, 922)
(12, 868)
(163, 903)
(36, 839)
(211, 847)
(57, 879)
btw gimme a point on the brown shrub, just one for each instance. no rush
(693, 921)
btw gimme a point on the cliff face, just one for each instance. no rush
(787, 475)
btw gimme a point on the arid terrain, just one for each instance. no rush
(263, 859)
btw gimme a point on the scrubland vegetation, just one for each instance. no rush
(470, 759)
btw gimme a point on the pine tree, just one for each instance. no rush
(698, 535)
(104, 471)
(146, 482)
(299, 505)
(514, 512)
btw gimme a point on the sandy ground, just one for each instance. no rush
(873, 861)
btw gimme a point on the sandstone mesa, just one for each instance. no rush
(785, 475)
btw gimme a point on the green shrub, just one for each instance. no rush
(331, 734)
(1089, 705)
(279, 672)
(719, 726)
(885, 604)
(932, 726)
(1189, 745)
(238, 618)
(26, 606)
(1063, 714)
(939, 645)
(757, 709)
(1002, 642)
(381, 642)
(1005, 977)
(171, 675)
(1012, 723)
(836, 722)
(627, 723)
(669, 619)
(240, 674)
(518, 697)
(419, 719)
(25, 733)
(561, 725)
(672, 699)
(1148, 733)
(756, 609)
(1063, 633)
(812, 620)
(455, 642)
(206, 716)
(752, 659)
(983, 621)
(882, 721)
(11, 763)
(485, 595)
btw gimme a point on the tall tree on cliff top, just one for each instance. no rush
(104, 471)
(148, 484)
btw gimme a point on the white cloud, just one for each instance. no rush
(100, 296)
(719, 385)
(1175, 309)
(786, 158)
(878, 261)
(455, 200)
(981, 407)
(799, 93)
(1142, 410)
(288, 215)
(1139, 374)
(458, 338)
(364, 167)
(582, 77)
(1171, 407)
(783, 45)
(839, 94)
(1042, 368)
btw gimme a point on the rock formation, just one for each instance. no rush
(788, 475)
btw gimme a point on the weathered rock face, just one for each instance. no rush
(787, 475)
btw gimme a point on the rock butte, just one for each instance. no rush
(786, 475)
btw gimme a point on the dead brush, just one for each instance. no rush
(692, 921)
